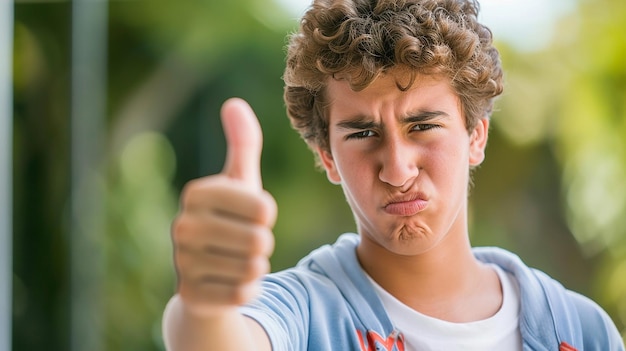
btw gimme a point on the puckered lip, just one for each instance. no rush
(407, 197)
(406, 204)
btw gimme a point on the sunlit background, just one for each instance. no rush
(115, 107)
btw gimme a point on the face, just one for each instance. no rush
(403, 161)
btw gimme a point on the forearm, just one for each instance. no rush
(184, 331)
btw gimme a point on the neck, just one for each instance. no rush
(438, 282)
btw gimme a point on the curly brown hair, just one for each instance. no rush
(358, 40)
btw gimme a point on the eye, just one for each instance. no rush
(361, 135)
(424, 127)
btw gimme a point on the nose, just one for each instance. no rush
(399, 164)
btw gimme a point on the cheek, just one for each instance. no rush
(351, 169)
(449, 164)
(356, 175)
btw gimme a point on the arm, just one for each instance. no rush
(222, 240)
(182, 330)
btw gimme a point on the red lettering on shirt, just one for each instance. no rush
(566, 347)
(373, 338)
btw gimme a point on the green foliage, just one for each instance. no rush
(141, 204)
(571, 97)
(591, 143)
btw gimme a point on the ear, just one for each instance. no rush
(329, 165)
(478, 142)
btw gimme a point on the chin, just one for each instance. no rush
(410, 232)
(408, 241)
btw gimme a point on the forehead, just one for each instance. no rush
(384, 95)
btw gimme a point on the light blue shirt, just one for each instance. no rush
(326, 303)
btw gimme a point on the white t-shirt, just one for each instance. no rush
(423, 333)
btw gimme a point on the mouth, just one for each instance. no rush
(407, 205)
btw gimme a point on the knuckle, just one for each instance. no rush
(198, 191)
(183, 228)
(184, 263)
(255, 238)
(254, 268)
(255, 208)
(264, 209)
(244, 293)
(261, 241)
(179, 227)
(263, 267)
(189, 189)
(271, 208)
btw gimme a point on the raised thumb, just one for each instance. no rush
(244, 141)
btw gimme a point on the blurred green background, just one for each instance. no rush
(92, 266)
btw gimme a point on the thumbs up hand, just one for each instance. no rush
(222, 235)
(244, 140)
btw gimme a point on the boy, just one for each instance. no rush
(394, 99)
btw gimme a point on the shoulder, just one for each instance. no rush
(321, 275)
(298, 288)
(551, 311)
(283, 307)
(574, 312)
(599, 331)
(294, 285)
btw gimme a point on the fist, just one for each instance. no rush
(222, 235)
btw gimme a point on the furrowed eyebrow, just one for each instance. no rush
(424, 116)
(358, 123)
(362, 122)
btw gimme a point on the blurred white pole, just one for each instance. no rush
(6, 170)
(88, 123)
